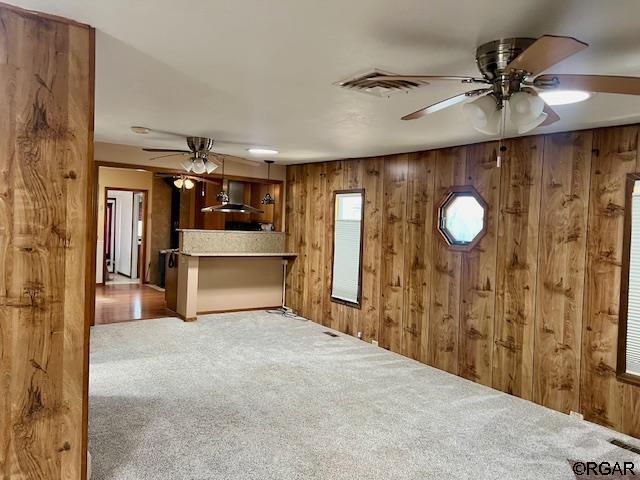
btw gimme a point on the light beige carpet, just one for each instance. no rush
(260, 396)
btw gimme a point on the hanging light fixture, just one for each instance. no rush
(268, 199)
(223, 196)
(183, 182)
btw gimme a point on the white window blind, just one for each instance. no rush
(346, 247)
(633, 310)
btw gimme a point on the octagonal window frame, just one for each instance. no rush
(461, 190)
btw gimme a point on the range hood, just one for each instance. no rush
(235, 190)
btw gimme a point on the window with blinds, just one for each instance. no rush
(347, 243)
(633, 291)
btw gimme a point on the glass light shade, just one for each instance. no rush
(525, 108)
(199, 166)
(533, 124)
(178, 182)
(189, 184)
(187, 164)
(484, 114)
(210, 166)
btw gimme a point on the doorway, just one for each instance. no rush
(124, 236)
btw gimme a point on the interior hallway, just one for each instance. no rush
(126, 302)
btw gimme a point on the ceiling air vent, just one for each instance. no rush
(381, 87)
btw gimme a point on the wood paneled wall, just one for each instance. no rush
(532, 310)
(46, 243)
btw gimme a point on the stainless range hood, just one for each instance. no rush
(235, 190)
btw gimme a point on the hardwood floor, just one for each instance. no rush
(124, 303)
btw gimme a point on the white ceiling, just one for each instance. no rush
(262, 72)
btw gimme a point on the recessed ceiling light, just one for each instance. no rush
(262, 151)
(564, 97)
(140, 130)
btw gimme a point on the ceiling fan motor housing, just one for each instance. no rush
(492, 59)
(199, 144)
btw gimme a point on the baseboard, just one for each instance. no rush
(234, 310)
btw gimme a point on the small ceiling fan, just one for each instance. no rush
(199, 151)
(512, 75)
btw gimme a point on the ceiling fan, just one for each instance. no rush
(512, 75)
(199, 151)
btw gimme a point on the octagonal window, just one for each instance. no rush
(463, 217)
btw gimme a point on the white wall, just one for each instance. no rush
(124, 223)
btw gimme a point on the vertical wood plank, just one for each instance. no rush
(478, 280)
(291, 235)
(333, 312)
(46, 279)
(615, 154)
(393, 243)
(372, 248)
(516, 266)
(417, 255)
(316, 231)
(353, 178)
(563, 236)
(444, 318)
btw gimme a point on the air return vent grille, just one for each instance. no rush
(379, 88)
(625, 445)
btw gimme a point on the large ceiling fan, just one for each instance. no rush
(512, 74)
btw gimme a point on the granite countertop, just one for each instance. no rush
(240, 254)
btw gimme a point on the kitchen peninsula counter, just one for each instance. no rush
(220, 271)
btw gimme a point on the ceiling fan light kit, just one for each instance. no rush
(514, 88)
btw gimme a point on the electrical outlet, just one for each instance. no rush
(374, 342)
(577, 415)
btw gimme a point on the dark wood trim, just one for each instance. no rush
(91, 238)
(176, 171)
(621, 366)
(357, 304)
(469, 190)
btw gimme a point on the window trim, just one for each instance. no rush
(621, 366)
(469, 190)
(340, 301)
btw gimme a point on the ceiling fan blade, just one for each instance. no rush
(552, 116)
(165, 150)
(166, 156)
(449, 102)
(590, 83)
(423, 78)
(545, 52)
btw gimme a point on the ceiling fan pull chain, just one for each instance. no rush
(501, 147)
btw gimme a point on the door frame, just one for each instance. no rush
(143, 256)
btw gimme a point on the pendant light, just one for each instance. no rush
(223, 196)
(268, 199)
